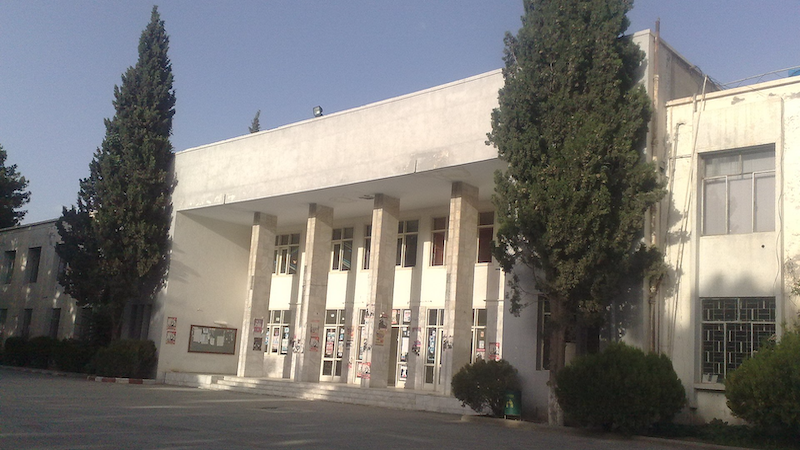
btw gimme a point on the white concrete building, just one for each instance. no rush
(730, 229)
(354, 248)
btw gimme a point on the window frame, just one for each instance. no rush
(407, 243)
(9, 261)
(439, 241)
(33, 263)
(286, 246)
(340, 239)
(485, 237)
(731, 180)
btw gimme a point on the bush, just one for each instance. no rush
(71, 355)
(621, 388)
(484, 384)
(15, 351)
(125, 359)
(40, 351)
(765, 389)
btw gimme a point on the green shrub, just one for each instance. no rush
(40, 351)
(483, 385)
(71, 355)
(15, 351)
(125, 359)
(765, 389)
(621, 388)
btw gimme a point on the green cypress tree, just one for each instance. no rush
(571, 124)
(124, 209)
(255, 126)
(12, 193)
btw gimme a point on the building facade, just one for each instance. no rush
(31, 302)
(730, 231)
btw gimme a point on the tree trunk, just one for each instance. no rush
(555, 415)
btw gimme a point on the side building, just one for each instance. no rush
(31, 301)
(730, 226)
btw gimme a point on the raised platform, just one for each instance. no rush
(332, 392)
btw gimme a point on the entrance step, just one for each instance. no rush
(332, 392)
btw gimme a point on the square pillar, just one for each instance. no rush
(256, 306)
(310, 322)
(383, 254)
(462, 250)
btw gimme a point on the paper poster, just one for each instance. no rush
(172, 323)
(257, 343)
(171, 337)
(363, 370)
(258, 326)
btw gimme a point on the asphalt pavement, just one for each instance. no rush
(41, 411)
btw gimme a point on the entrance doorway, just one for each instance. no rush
(334, 345)
(434, 335)
(399, 347)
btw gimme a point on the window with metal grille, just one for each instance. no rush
(732, 329)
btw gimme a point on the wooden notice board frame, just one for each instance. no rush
(206, 339)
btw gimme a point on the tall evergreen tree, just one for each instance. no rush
(571, 123)
(115, 242)
(12, 193)
(255, 126)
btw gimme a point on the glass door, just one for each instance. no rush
(434, 333)
(334, 345)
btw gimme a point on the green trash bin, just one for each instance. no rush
(513, 406)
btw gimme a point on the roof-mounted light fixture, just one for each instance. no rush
(318, 111)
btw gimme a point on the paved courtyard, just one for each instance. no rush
(40, 411)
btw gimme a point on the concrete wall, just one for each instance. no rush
(734, 265)
(434, 128)
(206, 286)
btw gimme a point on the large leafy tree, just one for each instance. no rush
(115, 241)
(571, 123)
(13, 193)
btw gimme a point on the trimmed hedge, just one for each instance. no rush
(482, 386)
(72, 355)
(126, 359)
(15, 351)
(40, 351)
(765, 389)
(621, 388)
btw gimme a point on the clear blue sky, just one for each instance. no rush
(60, 60)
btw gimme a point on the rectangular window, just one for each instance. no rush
(732, 329)
(287, 253)
(739, 191)
(485, 235)
(342, 244)
(276, 340)
(9, 259)
(27, 318)
(3, 317)
(407, 233)
(478, 334)
(34, 255)
(367, 246)
(438, 240)
(543, 336)
(55, 320)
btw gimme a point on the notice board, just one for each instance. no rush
(205, 339)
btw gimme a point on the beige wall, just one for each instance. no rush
(41, 296)
(754, 264)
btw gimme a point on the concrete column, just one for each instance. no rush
(382, 265)
(461, 255)
(315, 291)
(256, 306)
